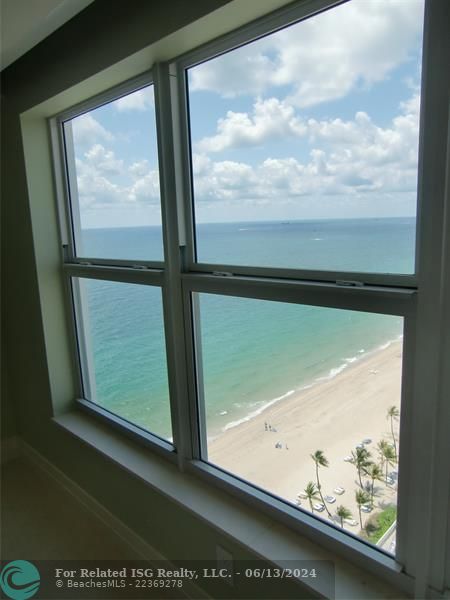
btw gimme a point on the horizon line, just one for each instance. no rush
(286, 221)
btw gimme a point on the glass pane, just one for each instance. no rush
(112, 157)
(305, 143)
(282, 382)
(123, 351)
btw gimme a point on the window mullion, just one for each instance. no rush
(172, 291)
(60, 181)
(75, 245)
(440, 525)
(84, 343)
(424, 557)
(178, 74)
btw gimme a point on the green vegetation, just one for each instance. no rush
(393, 413)
(389, 457)
(375, 469)
(320, 460)
(375, 472)
(362, 498)
(360, 458)
(378, 524)
(343, 513)
(311, 492)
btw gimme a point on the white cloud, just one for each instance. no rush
(349, 158)
(145, 189)
(322, 58)
(95, 188)
(139, 168)
(140, 100)
(104, 180)
(223, 180)
(271, 119)
(88, 131)
(351, 140)
(346, 157)
(104, 160)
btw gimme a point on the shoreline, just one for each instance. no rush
(333, 415)
(334, 372)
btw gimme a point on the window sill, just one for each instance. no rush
(260, 534)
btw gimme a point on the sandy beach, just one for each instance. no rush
(333, 416)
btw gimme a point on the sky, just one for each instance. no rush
(318, 120)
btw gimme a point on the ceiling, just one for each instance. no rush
(24, 23)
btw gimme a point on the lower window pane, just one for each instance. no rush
(304, 402)
(122, 348)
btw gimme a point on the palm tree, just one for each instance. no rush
(389, 457)
(381, 447)
(393, 413)
(360, 458)
(343, 513)
(361, 498)
(311, 493)
(320, 460)
(375, 472)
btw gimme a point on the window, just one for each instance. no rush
(307, 154)
(244, 252)
(300, 171)
(112, 236)
(275, 395)
(108, 190)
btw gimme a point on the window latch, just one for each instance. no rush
(222, 274)
(349, 283)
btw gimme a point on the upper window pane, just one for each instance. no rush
(114, 182)
(305, 143)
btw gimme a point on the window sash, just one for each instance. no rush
(266, 25)
(382, 301)
(84, 368)
(389, 301)
(66, 176)
(115, 273)
(358, 277)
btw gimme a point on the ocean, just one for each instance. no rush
(254, 352)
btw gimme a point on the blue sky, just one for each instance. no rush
(319, 120)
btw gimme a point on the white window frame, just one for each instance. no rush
(179, 276)
(142, 272)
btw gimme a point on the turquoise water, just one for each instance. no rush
(254, 352)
